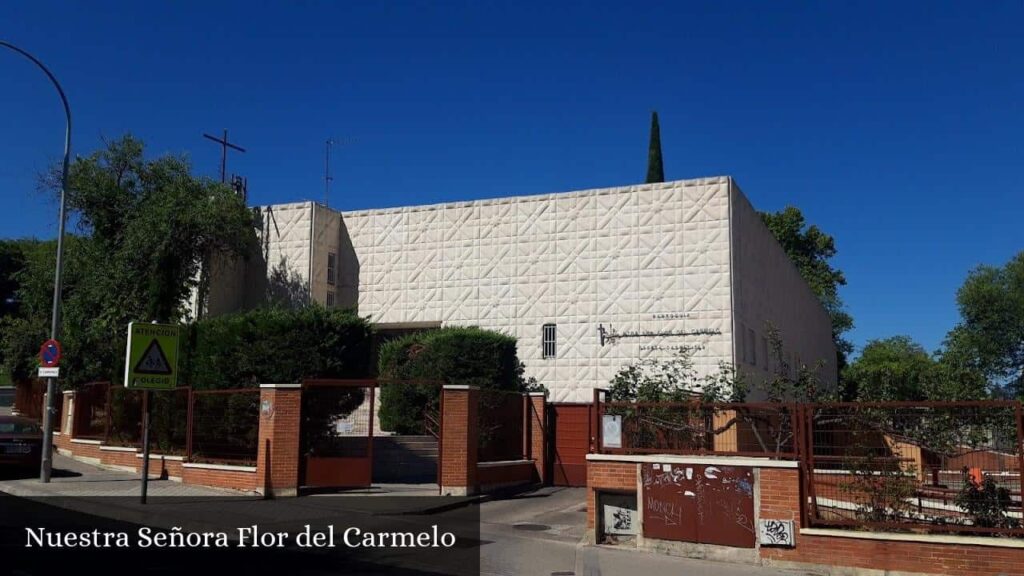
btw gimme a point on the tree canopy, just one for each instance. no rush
(990, 335)
(812, 250)
(143, 227)
(897, 368)
(655, 170)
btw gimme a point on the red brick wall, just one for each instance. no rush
(234, 479)
(506, 475)
(459, 439)
(780, 499)
(160, 466)
(86, 450)
(120, 458)
(607, 476)
(279, 427)
(538, 435)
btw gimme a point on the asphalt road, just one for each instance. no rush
(537, 533)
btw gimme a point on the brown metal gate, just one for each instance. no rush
(701, 504)
(570, 426)
(337, 433)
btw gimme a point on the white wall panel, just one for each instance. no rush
(637, 258)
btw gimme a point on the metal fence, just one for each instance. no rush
(200, 425)
(749, 429)
(92, 410)
(28, 399)
(951, 467)
(223, 426)
(931, 466)
(501, 417)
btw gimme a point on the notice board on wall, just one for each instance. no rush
(699, 503)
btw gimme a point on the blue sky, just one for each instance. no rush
(896, 127)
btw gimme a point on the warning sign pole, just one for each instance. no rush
(145, 443)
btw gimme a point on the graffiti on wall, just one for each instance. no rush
(698, 503)
(776, 532)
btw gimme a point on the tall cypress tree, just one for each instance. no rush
(655, 172)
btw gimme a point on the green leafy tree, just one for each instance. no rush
(987, 503)
(811, 250)
(990, 335)
(882, 489)
(452, 355)
(675, 379)
(894, 368)
(655, 171)
(144, 227)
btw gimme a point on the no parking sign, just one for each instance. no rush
(49, 359)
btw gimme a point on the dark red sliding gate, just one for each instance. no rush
(337, 433)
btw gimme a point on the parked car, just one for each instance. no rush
(21, 442)
(6, 396)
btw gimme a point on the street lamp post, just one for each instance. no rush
(51, 383)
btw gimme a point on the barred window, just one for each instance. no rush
(330, 298)
(548, 341)
(332, 265)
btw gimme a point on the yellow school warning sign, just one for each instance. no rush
(152, 357)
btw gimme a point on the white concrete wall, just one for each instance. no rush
(652, 258)
(286, 245)
(768, 288)
(327, 239)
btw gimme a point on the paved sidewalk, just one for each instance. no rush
(541, 532)
(73, 478)
(538, 532)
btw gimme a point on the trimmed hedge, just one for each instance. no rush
(466, 356)
(277, 346)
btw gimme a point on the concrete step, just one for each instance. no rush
(408, 459)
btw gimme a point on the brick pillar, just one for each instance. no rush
(67, 414)
(458, 441)
(277, 464)
(538, 434)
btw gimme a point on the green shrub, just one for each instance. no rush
(463, 356)
(277, 346)
(986, 503)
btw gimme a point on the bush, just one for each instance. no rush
(463, 356)
(986, 503)
(277, 346)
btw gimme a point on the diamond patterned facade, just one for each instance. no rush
(657, 266)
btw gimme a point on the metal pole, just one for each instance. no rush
(224, 159)
(51, 383)
(145, 444)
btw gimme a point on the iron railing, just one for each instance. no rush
(764, 429)
(501, 423)
(915, 466)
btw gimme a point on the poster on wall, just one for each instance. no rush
(611, 431)
(619, 514)
(619, 521)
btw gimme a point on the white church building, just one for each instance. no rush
(587, 281)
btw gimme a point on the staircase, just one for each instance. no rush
(404, 459)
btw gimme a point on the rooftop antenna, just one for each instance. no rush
(224, 145)
(327, 171)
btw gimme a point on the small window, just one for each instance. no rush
(330, 298)
(332, 268)
(548, 341)
(752, 344)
